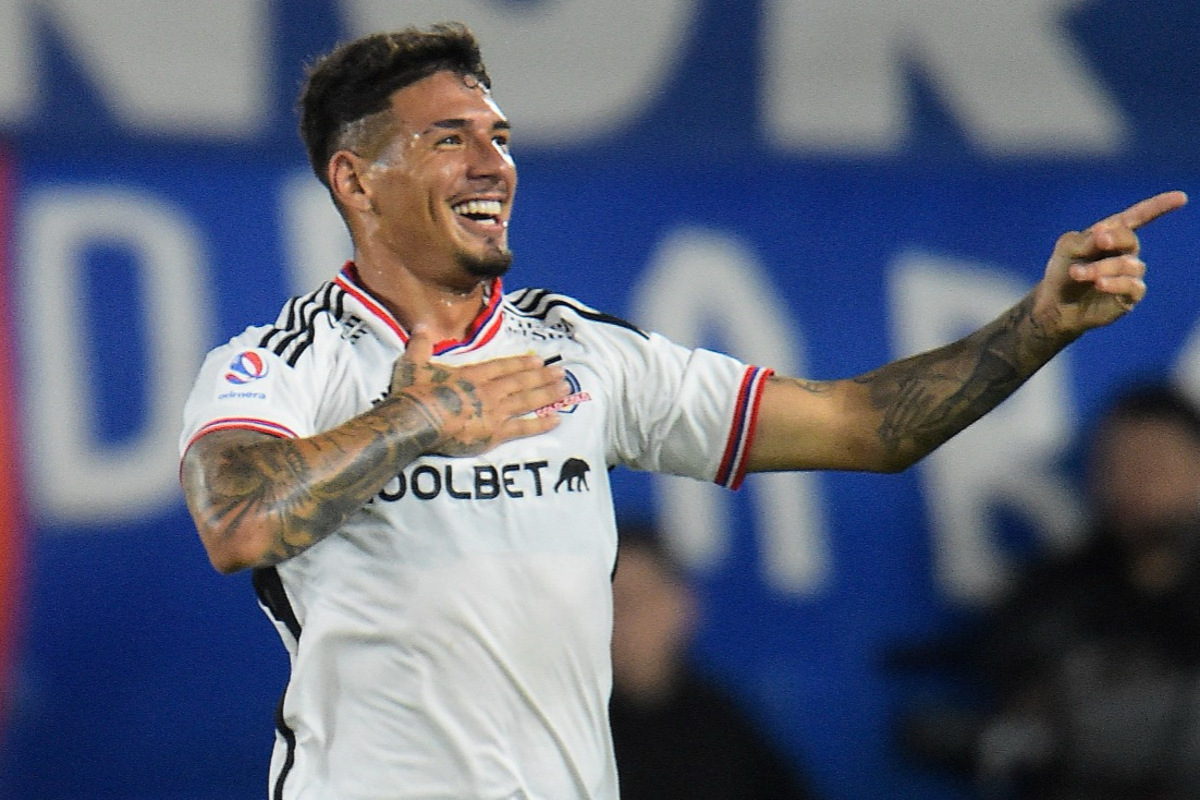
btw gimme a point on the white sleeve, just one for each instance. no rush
(248, 387)
(683, 411)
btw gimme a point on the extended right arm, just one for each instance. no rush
(257, 499)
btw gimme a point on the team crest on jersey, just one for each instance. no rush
(246, 367)
(569, 403)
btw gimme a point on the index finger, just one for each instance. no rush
(1146, 210)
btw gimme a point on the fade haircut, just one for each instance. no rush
(356, 80)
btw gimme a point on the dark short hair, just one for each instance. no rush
(644, 537)
(1141, 401)
(1154, 400)
(357, 79)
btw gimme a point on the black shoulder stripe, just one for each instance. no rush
(299, 339)
(286, 322)
(537, 303)
(289, 310)
(600, 316)
(290, 339)
(339, 304)
(527, 299)
(269, 588)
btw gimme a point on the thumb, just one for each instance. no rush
(417, 353)
(420, 346)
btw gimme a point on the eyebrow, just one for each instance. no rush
(458, 123)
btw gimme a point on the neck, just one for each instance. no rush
(446, 311)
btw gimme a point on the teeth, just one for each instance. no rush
(481, 208)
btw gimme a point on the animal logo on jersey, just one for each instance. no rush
(573, 475)
(246, 367)
(569, 403)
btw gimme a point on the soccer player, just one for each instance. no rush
(414, 463)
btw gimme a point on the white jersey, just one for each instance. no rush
(451, 640)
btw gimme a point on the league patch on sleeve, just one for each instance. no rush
(246, 367)
(242, 375)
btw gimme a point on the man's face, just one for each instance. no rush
(442, 183)
(1146, 478)
(653, 614)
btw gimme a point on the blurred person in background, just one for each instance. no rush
(1092, 663)
(678, 735)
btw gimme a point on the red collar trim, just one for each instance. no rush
(483, 328)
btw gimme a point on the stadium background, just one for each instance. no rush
(816, 185)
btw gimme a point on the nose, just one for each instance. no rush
(489, 158)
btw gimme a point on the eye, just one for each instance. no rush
(501, 140)
(449, 140)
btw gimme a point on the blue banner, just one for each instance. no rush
(730, 178)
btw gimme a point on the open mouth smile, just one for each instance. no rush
(486, 212)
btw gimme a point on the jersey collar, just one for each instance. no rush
(483, 328)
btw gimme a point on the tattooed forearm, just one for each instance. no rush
(295, 492)
(924, 400)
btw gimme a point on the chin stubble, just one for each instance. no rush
(492, 265)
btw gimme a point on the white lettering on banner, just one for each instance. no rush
(314, 234)
(699, 280)
(1187, 368)
(180, 68)
(568, 70)
(75, 478)
(16, 61)
(833, 77)
(832, 71)
(1005, 458)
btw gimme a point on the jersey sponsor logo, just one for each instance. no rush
(485, 481)
(246, 367)
(569, 403)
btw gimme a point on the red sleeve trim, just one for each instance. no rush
(742, 430)
(240, 423)
(243, 423)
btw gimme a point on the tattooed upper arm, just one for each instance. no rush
(802, 425)
(232, 480)
(887, 419)
(258, 499)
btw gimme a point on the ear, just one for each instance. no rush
(347, 180)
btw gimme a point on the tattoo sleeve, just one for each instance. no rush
(924, 400)
(298, 491)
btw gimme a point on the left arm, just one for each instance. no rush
(887, 419)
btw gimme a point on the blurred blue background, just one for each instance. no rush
(815, 185)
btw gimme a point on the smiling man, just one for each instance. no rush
(414, 463)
